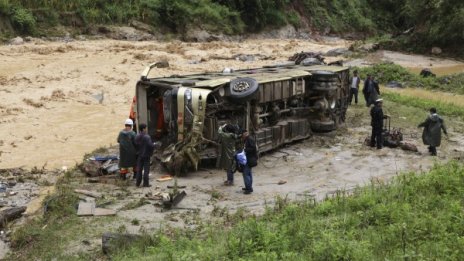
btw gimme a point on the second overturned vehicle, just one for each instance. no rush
(276, 104)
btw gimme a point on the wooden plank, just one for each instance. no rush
(86, 209)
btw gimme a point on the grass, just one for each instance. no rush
(416, 216)
(50, 235)
(443, 107)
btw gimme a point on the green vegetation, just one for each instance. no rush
(386, 72)
(48, 236)
(413, 217)
(445, 108)
(430, 22)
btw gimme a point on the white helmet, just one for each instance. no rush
(129, 122)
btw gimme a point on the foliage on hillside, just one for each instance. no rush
(414, 217)
(386, 72)
(432, 22)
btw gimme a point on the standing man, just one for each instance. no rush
(127, 152)
(377, 124)
(355, 80)
(145, 149)
(432, 131)
(371, 90)
(252, 160)
(227, 138)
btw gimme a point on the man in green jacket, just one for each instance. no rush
(227, 137)
(127, 152)
(432, 131)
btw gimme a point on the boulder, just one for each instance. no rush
(142, 26)
(125, 33)
(436, 50)
(369, 47)
(17, 41)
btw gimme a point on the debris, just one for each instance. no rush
(10, 214)
(173, 200)
(88, 193)
(179, 187)
(164, 178)
(299, 57)
(408, 146)
(85, 209)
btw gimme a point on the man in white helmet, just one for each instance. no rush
(127, 152)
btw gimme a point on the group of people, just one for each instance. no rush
(433, 125)
(135, 151)
(227, 159)
(371, 90)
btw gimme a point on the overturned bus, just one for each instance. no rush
(276, 104)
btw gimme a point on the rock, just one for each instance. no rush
(338, 52)
(426, 72)
(142, 26)
(369, 47)
(17, 41)
(436, 50)
(200, 35)
(125, 33)
(394, 84)
(162, 64)
(244, 57)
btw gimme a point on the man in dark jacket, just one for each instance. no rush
(377, 124)
(432, 131)
(145, 149)
(127, 153)
(252, 161)
(227, 136)
(371, 90)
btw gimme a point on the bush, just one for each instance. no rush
(23, 20)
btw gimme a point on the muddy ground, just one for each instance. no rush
(60, 100)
